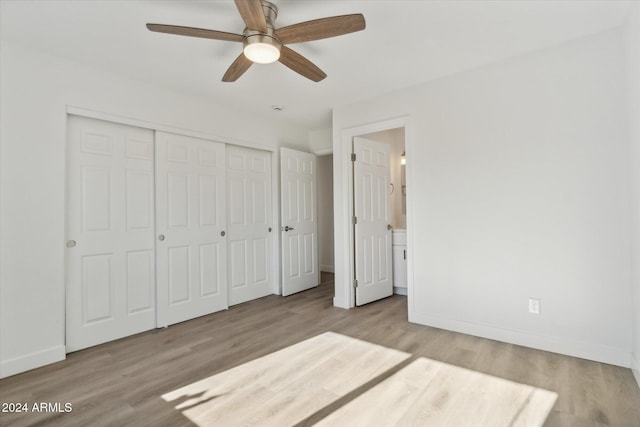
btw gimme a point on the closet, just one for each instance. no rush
(160, 228)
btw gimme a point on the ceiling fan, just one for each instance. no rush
(263, 43)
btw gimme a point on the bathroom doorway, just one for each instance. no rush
(379, 215)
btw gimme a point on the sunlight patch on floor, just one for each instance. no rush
(287, 386)
(298, 383)
(432, 393)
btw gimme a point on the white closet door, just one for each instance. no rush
(250, 226)
(110, 226)
(190, 215)
(299, 221)
(371, 176)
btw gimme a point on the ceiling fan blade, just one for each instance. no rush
(239, 66)
(252, 14)
(301, 65)
(195, 32)
(321, 28)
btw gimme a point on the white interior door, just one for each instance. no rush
(110, 227)
(250, 223)
(191, 218)
(371, 177)
(299, 221)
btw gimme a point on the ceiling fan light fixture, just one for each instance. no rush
(263, 43)
(261, 49)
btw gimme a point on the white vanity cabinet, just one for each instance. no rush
(399, 249)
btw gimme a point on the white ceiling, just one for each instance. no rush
(405, 43)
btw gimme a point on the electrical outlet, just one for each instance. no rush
(534, 305)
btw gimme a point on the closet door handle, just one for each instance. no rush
(404, 254)
(161, 237)
(287, 228)
(222, 233)
(71, 243)
(389, 227)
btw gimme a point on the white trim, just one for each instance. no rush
(635, 367)
(583, 350)
(32, 361)
(276, 268)
(78, 111)
(397, 290)
(344, 291)
(327, 268)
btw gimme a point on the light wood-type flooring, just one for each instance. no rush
(300, 361)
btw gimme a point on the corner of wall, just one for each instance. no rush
(321, 141)
(635, 367)
(633, 58)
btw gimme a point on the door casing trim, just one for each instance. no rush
(344, 290)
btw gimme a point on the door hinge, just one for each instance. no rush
(354, 220)
(355, 283)
(353, 157)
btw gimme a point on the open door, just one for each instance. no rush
(371, 177)
(299, 226)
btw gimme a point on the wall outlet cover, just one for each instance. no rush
(534, 305)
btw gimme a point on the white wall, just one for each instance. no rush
(325, 212)
(633, 56)
(36, 88)
(321, 141)
(518, 180)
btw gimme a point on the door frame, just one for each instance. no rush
(345, 273)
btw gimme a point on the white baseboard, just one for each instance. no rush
(31, 361)
(339, 303)
(327, 268)
(399, 291)
(583, 350)
(635, 367)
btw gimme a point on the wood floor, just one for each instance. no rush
(299, 358)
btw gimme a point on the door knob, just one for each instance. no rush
(269, 229)
(287, 228)
(71, 243)
(161, 237)
(389, 227)
(222, 233)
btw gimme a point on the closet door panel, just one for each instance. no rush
(250, 227)
(110, 267)
(191, 219)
